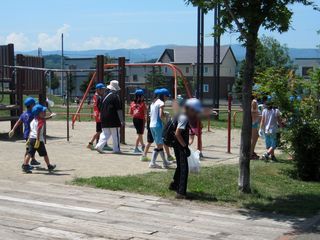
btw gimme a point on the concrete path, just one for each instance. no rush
(35, 210)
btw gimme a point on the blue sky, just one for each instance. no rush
(111, 24)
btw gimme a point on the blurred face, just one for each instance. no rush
(101, 91)
(165, 98)
(191, 113)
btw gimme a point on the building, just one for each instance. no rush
(305, 65)
(186, 59)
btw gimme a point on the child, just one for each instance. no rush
(36, 139)
(25, 119)
(269, 127)
(156, 126)
(255, 115)
(193, 108)
(138, 112)
(97, 98)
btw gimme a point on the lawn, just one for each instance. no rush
(273, 189)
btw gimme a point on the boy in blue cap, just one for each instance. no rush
(36, 139)
(25, 119)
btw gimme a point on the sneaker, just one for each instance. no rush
(201, 155)
(274, 159)
(265, 157)
(156, 166)
(34, 162)
(145, 159)
(166, 164)
(171, 158)
(51, 167)
(137, 151)
(90, 146)
(99, 151)
(107, 148)
(26, 168)
(180, 196)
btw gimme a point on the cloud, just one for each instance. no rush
(112, 43)
(52, 42)
(20, 41)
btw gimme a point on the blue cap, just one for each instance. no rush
(38, 108)
(29, 101)
(156, 91)
(139, 92)
(164, 92)
(100, 86)
(195, 104)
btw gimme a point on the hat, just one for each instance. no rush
(100, 86)
(194, 104)
(38, 109)
(156, 91)
(164, 92)
(139, 92)
(29, 101)
(114, 85)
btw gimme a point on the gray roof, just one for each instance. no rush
(188, 54)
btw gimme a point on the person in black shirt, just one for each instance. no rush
(181, 149)
(111, 113)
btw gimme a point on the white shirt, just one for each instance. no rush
(271, 120)
(35, 125)
(155, 120)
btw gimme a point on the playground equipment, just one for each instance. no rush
(18, 81)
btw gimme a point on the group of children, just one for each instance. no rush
(33, 119)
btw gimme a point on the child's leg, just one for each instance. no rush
(166, 148)
(146, 150)
(46, 159)
(141, 139)
(137, 141)
(27, 159)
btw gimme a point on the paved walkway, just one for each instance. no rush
(35, 210)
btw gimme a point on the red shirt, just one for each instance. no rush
(96, 107)
(138, 110)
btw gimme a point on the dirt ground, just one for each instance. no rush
(73, 159)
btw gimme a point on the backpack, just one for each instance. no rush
(169, 132)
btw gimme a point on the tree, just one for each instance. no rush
(155, 79)
(85, 84)
(270, 54)
(247, 18)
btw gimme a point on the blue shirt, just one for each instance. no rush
(26, 117)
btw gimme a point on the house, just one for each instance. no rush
(186, 59)
(305, 65)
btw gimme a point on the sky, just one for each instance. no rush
(113, 24)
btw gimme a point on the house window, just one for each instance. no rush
(187, 69)
(306, 70)
(135, 78)
(166, 70)
(206, 70)
(205, 88)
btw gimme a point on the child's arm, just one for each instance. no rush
(162, 112)
(18, 123)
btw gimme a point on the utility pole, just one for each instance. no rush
(62, 65)
(216, 59)
(200, 53)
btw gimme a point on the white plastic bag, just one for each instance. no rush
(194, 162)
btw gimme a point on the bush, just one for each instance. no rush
(304, 141)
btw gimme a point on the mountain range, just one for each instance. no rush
(146, 54)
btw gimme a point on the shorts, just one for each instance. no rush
(98, 127)
(139, 125)
(41, 150)
(149, 136)
(157, 134)
(195, 131)
(271, 141)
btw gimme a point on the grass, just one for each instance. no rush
(273, 190)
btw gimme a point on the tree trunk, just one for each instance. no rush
(245, 146)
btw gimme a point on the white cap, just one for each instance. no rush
(114, 85)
